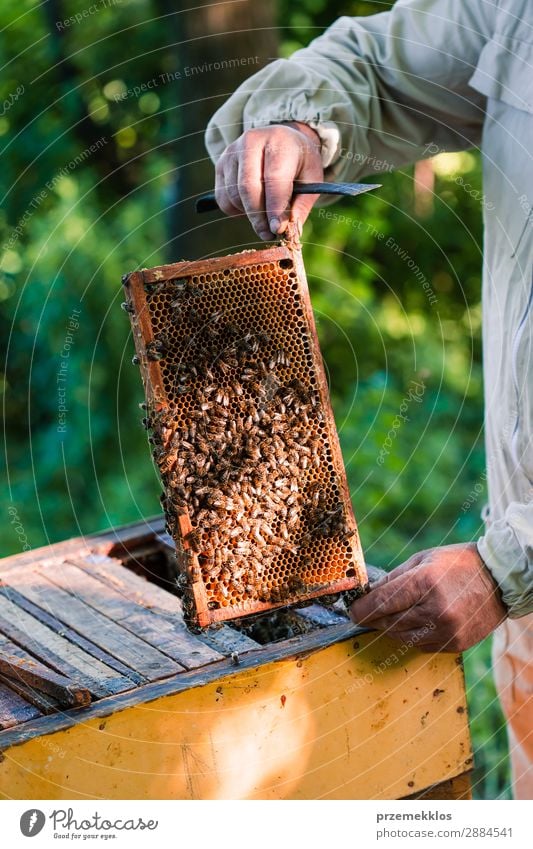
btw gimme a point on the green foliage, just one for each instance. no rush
(86, 218)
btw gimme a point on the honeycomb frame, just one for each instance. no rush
(256, 306)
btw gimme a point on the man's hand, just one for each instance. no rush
(255, 175)
(442, 599)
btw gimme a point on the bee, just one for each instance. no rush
(279, 358)
(247, 344)
(227, 359)
(264, 593)
(258, 388)
(223, 366)
(193, 315)
(185, 286)
(158, 454)
(232, 330)
(222, 397)
(260, 540)
(153, 353)
(292, 518)
(217, 316)
(196, 574)
(193, 539)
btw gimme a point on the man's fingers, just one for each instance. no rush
(301, 207)
(280, 166)
(231, 181)
(424, 638)
(407, 620)
(387, 597)
(412, 563)
(310, 171)
(251, 189)
(223, 176)
(256, 175)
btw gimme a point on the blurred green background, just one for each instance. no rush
(101, 125)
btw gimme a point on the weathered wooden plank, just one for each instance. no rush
(124, 538)
(132, 586)
(15, 663)
(67, 659)
(228, 641)
(222, 639)
(131, 595)
(110, 636)
(14, 710)
(321, 616)
(73, 637)
(46, 705)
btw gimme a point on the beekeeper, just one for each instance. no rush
(382, 91)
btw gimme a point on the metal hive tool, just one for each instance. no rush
(255, 492)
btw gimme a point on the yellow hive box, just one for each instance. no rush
(329, 713)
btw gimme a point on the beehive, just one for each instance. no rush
(256, 497)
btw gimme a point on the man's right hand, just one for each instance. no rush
(255, 176)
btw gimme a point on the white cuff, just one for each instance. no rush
(330, 138)
(507, 551)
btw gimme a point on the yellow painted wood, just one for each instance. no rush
(353, 720)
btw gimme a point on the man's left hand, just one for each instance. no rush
(442, 599)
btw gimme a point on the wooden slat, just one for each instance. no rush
(165, 608)
(14, 710)
(323, 617)
(172, 638)
(46, 705)
(18, 664)
(120, 643)
(67, 659)
(124, 538)
(201, 266)
(228, 641)
(222, 639)
(132, 586)
(73, 637)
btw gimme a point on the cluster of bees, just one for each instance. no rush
(239, 458)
